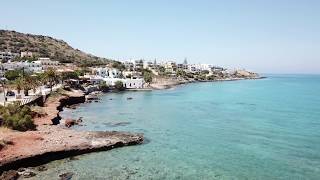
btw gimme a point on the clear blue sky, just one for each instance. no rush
(274, 36)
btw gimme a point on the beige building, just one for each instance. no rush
(26, 54)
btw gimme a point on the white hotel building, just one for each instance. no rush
(111, 76)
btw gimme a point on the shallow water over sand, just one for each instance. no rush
(255, 129)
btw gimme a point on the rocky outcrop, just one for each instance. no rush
(67, 101)
(10, 175)
(71, 100)
(245, 74)
(66, 176)
(57, 143)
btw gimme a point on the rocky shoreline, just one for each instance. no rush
(170, 83)
(51, 142)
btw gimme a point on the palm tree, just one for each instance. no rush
(27, 84)
(19, 84)
(51, 76)
(33, 82)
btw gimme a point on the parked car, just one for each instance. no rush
(10, 93)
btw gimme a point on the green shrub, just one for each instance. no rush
(17, 118)
(103, 87)
(119, 86)
(147, 75)
(13, 74)
(118, 65)
(69, 75)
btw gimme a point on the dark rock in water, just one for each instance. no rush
(129, 98)
(96, 101)
(92, 97)
(121, 123)
(9, 175)
(73, 158)
(80, 119)
(110, 124)
(73, 107)
(28, 174)
(131, 172)
(21, 170)
(110, 99)
(56, 120)
(66, 176)
(70, 122)
(41, 168)
(146, 141)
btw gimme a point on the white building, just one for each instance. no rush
(129, 65)
(132, 74)
(47, 63)
(148, 65)
(138, 65)
(7, 56)
(106, 72)
(94, 79)
(193, 68)
(33, 67)
(133, 83)
(127, 83)
(183, 67)
(111, 76)
(170, 67)
(12, 66)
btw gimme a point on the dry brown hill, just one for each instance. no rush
(45, 46)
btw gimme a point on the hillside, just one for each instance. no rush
(45, 46)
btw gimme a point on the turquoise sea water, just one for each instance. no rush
(253, 129)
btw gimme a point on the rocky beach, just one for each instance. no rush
(50, 142)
